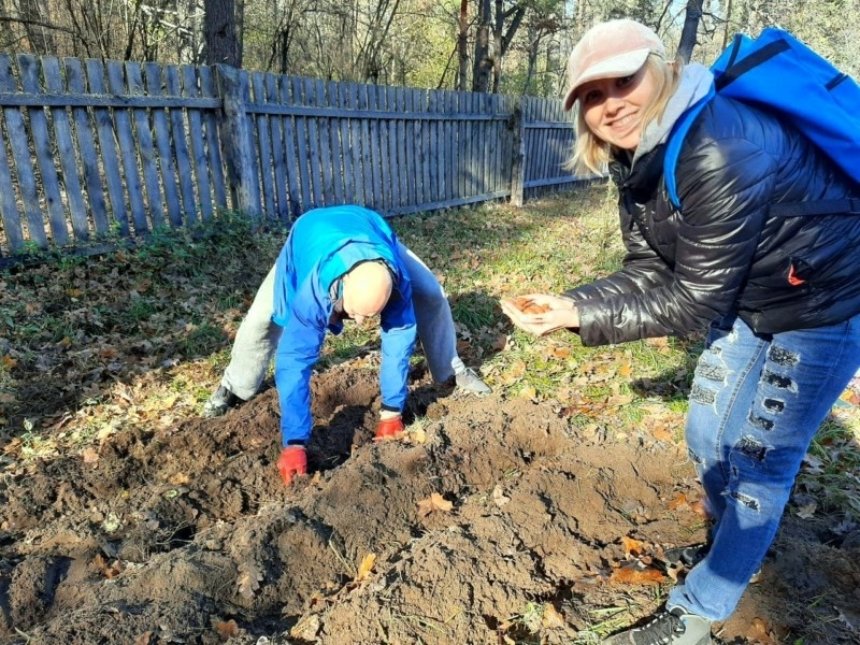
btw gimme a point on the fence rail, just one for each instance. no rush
(92, 149)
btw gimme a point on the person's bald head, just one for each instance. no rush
(366, 289)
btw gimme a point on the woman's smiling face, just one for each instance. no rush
(613, 107)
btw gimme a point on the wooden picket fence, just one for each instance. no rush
(91, 150)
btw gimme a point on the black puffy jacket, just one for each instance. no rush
(723, 252)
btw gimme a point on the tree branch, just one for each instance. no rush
(38, 23)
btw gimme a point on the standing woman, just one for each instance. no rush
(781, 294)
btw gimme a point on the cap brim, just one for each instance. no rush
(616, 67)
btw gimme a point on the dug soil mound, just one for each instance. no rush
(490, 521)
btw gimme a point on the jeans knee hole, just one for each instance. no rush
(782, 356)
(774, 406)
(715, 373)
(746, 500)
(702, 395)
(760, 422)
(778, 381)
(752, 448)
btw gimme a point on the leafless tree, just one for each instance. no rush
(220, 33)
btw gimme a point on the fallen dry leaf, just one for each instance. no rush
(249, 579)
(678, 503)
(632, 547)
(365, 567)
(143, 639)
(528, 392)
(636, 576)
(227, 629)
(558, 351)
(499, 497)
(551, 617)
(109, 570)
(434, 503)
(700, 509)
(306, 629)
(807, 511)
(178, 479)
(663, 433)
(759, 632)
(90, 455)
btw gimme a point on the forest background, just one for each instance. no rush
(500, 46)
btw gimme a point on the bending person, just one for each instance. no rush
(340, 263)
(781, 294)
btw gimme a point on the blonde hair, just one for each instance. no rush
(591, 154)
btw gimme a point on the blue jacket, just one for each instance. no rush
(323, 245)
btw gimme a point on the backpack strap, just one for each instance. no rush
(676, 140)
(756, 58)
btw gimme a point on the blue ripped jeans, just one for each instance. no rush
(755, 405)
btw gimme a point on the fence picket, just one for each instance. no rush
(152, 73)
(431, 150)
(26, 178)
(198, 143)
(394, 195)
(412, 173)
(264, 145)
(28, 66)
(146, 150)
(352, 145)
(8, 209)
(349, 195)
(303, 160)
(281, 211)
(366, 148)
(90, 158)
(334, 126)
(316, 176)
(374, 167)
(178, 135)
(397, 144)
(386, 161)
(122, 123)
(292, 162)
(210, 122)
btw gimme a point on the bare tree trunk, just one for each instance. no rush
(41, 39)
(497, 46)
(463, 46)
(483, 64)
(727, 23)
(691, 27)
(219, 32)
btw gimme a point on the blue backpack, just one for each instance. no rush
(782, 75)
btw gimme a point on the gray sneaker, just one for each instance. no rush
(221, 400)
(667, 628)
(469, 381)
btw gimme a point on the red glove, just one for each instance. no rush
(388, 428)
(293, 461)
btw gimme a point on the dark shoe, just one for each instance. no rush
(667, 628)
(469, 381)
(688, 556)
(220, 401)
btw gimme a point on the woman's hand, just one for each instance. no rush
(540, 313)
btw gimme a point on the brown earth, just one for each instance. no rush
(186, 535)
